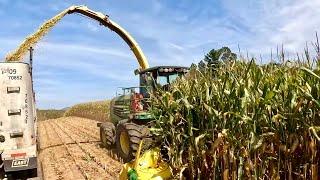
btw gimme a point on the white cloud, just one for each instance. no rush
(92, 27)
(87, 59)
(58, 6)
(272, 23)
(176, 46)
(83, 49)
(300, 21)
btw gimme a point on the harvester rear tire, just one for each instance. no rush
(107, 135)
(134, 134)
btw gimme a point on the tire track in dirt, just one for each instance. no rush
(85, 126)
(43, 136)
(65, 140)
(87, 133)
(70, 151)
(106, 161)
(91, 127)
(94, 158)
(50, 159)
(90, 124)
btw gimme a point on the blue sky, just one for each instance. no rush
(80, 61)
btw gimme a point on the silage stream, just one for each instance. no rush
(31, 40)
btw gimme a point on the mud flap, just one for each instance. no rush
(20, 164)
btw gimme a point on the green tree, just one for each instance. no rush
(215, 57)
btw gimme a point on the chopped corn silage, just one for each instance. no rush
(31, 40)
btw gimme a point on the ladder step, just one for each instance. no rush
(13, 90)
(13, 112)
(16, 134)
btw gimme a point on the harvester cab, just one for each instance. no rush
(150, 79)
(136, 99)
(159, 77)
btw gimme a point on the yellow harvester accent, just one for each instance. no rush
(148, 166)
(124, 142)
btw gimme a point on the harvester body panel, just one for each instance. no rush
(119, 108)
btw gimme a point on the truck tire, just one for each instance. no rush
(107, 134)
(128, 138)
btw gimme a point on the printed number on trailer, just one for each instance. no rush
(20, 162)
(15, 77)
(8, 71)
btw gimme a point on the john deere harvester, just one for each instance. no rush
(129, 111)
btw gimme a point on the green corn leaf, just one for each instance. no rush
(310, 72)
(197, 139)
(186, 103)
(269, 95)
(208, 108)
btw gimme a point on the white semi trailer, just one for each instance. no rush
(18, 132)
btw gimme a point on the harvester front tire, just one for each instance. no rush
(107, 134)
(128, 138)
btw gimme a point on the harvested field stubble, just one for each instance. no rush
(242, 121)
(69, 152)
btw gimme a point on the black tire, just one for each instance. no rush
(135, 133)
(107, 135)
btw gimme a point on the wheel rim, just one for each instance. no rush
(124, 142)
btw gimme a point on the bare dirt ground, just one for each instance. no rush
(70, 149)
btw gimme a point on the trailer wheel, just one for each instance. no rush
(107, 134)
(128, 138)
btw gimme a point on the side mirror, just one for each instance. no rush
(137, 71)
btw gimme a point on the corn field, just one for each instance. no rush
(98, 110)
(49, 114)
(242, 121)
